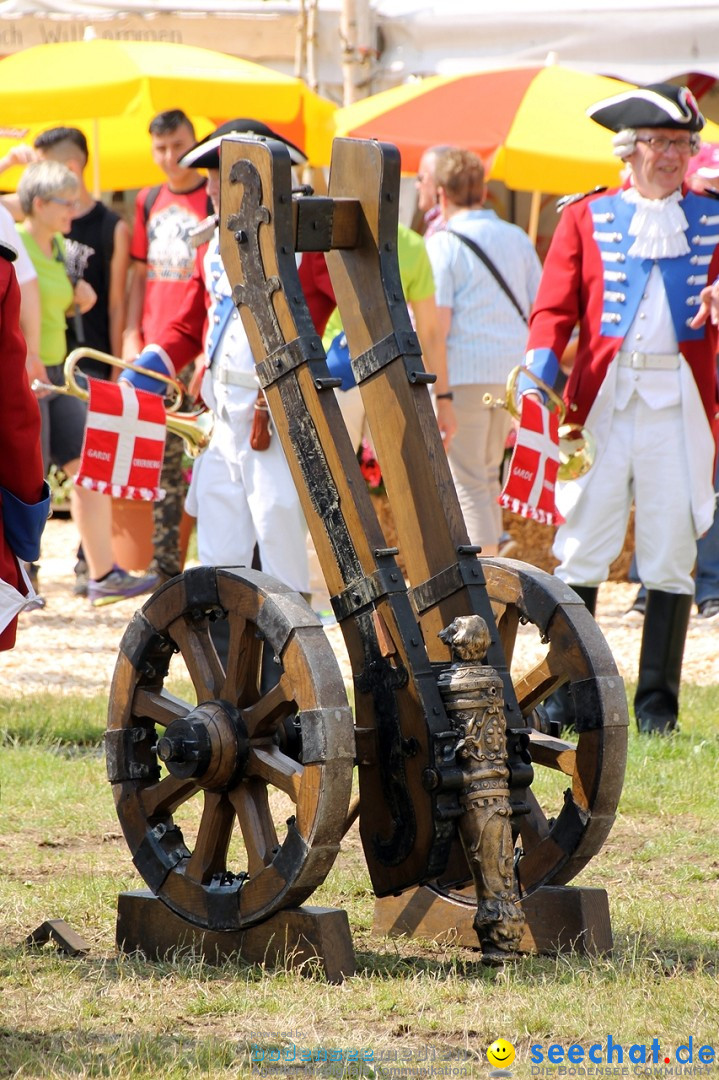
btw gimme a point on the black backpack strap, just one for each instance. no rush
(150, 200)
(492, 269)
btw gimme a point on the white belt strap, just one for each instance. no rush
(236, 378)
(648, 361)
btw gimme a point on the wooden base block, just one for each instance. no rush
(290, 938)
(559, 919)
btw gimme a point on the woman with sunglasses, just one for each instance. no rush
(47, 193)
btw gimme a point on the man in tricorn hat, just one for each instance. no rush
(629, 267)
(242, 492)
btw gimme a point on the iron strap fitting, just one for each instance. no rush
(123, 755)
(401, 343)
(288, 357)
(367, 591)
(467, 571)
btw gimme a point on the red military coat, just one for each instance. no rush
(589, 281)
(21, 468)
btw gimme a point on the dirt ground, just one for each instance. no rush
(71, 648)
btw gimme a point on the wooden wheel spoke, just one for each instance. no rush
(163, 798)
(553, 753)
(270, 764)
(262, 718)
(213, 838)
(535, 685)
(352, 815)
(244, 663)
(249, 785)
(251, 805)
(203, 665)
(160, 706)
(533, 827)
(507, 619)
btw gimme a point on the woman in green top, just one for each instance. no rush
(47, 194)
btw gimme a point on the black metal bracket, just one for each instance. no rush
(121, 745)
(367, 591)
(466, 571)
(289, 357)
(401, 343)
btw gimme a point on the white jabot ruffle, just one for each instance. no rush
(659, 226)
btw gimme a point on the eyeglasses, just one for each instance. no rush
(660, 143)
(72, 204)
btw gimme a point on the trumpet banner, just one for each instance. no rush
(124, 441)
(531, 480)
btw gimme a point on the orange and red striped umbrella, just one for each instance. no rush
(527, 123)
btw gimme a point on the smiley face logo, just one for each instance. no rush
(500, 1054)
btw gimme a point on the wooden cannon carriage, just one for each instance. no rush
(461, 819)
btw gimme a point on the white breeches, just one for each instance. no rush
(250, 500)
(644, 460)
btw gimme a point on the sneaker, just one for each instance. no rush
(709, 609)
(82, 576)
(38, 602)
(119, 585)
(638, 608)
(161, 572)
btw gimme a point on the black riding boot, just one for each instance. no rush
(587, 593)
(656, 702)
(558, 709)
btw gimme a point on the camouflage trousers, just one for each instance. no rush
(167, 514)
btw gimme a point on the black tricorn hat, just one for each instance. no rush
(658, 105)
(206, 153)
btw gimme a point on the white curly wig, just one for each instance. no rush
(625, 142)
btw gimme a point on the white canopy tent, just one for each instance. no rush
(637, 40)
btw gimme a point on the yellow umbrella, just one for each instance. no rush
(99, 79)
(124, 161)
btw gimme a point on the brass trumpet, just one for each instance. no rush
(193, 428)
(577, 448)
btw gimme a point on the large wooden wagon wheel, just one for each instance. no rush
(232, 796)
(577, 777)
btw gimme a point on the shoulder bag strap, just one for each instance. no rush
(492, 269)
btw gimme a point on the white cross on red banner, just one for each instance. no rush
(124, 441)
(530, 485)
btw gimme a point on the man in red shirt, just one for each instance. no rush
(163, 261)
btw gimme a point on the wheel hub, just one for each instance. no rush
(210, 744)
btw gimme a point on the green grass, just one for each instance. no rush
(52, 719)
(63, 856)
